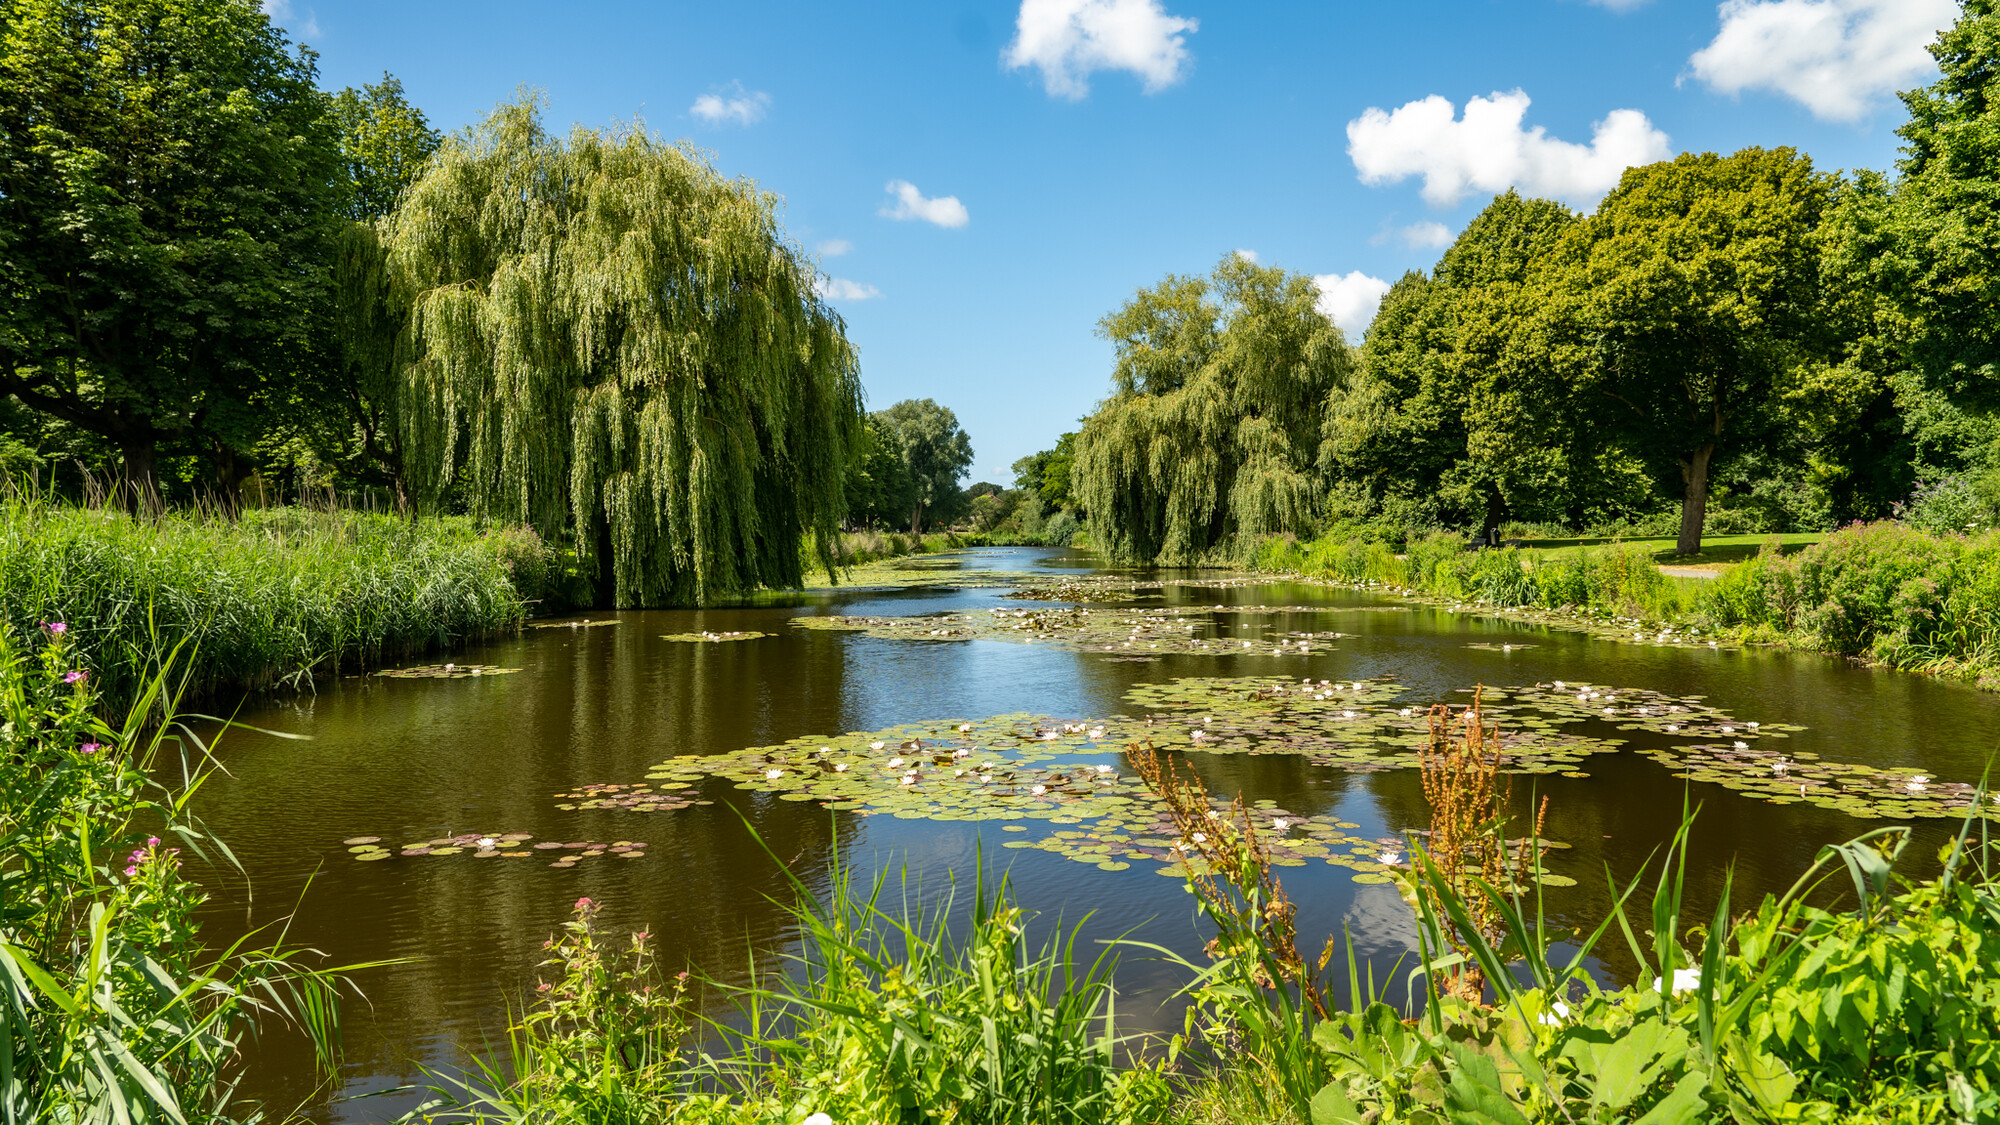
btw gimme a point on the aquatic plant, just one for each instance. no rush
(274, 597)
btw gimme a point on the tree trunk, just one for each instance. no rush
(1489, 528)
(1694, 506)
(917, 519)
(140, 486)
(230, 473)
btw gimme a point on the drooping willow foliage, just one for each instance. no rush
(616, 345)
(1213, 426)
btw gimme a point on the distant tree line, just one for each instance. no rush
(1735, 342)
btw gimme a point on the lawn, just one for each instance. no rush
(1715, 549)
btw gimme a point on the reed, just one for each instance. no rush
(272, 597)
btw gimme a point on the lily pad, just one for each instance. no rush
(444, 672)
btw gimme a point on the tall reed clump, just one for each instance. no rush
(884, 1015)
(111, 1007)
(1884, 592)
(274, 596)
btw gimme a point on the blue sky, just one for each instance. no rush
(984, 180)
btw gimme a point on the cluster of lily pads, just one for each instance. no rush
(713, 638)
(631, 798)
(582, 623)
(1857, 790)
(1181, 630)
(496, 845)
(444, 672)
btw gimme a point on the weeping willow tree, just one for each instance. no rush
(614, 344)
(1213, 426)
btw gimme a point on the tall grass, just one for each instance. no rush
(111, 1008)
(883, 1015)
(274, 596)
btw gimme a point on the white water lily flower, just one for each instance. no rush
(1103, 769)
(1729, 730)
(1389, 858)
(1672, 729)
(774, 774)
(1097, 732)
(1752, 726)
(1281, 825)
(1405, 712)
(1685, 980)
(1740, 745)
(876, 745)
(487, 841)
(1347, 714)
(963, 727)
(1199, 838)
(1918, 783)
(826, 749)
(1560, 685)
(1781, 765)
(909, 779)
(840, 767)
(1358, 685)
(895, 762)
(1039, 790)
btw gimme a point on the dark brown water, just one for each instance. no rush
(412, 759)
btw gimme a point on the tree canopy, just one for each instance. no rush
(936, 452)
(168, 183)
(618, 346)
(1213, 425)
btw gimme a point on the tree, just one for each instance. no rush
(616, 345)
(878, 488)
(1214, 420)
(168, 185)
(936, 452)
(1046, 475)
(1687, 302)
(384, 145)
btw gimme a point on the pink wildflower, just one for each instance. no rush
(55, 627)
(75, 677)
(131, 871)
(152, 841)
(583, 903)
(91, 747)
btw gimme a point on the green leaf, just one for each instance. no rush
(1474, 1094)
(1331, 1107)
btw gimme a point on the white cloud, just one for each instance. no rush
(834, 247)
(1835, 57)
(282, 12)
(1620, 5)
(1068, 39)
(945, 210)
(1426, 236)
(1350, 301)
(841, 289)
(1488, 150)
(1248, 256)
(731, 105)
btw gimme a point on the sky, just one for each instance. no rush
(983, 181)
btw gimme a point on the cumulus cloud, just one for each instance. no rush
(834, 247)
(1350, 301)
(731, 105)
(1835, 57)
(1248, 256)
(909, 203)
(1069, 39)
(841, 289)
(1488, 150)
(1426, 236)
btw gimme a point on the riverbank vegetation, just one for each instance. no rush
(1812, 1006)
(267, 597)
(111, 1006)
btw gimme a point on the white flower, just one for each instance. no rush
(1740, 745)
(1917, 783)
(1389, 858)
(1685, 980)
(1281, 825)
(826, 749)
(1729, 730)
(817, 1119)
(1051, 736)
(487, 841)
(1103, 769)
(1358, 685)
(1780, 766)
(1752, 726)
(1671, 728)
(963, 727)
(909, 779)
(774, 774)
(877, 745)
(840, 767)
(1405, 712)
(1347, 714)
(1097, 732)
(1199, 838)
(1557, 1013)
(1039, 790)
(1560, 685)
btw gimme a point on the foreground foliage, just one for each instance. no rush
(111, 1008)
(277, 595)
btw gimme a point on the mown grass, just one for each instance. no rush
(1715, 549)
(274, 597)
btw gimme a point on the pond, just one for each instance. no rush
(453, 819)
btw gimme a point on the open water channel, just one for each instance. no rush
(414, 761)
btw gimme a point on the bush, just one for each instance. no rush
(274, 597)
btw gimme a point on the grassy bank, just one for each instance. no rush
(1881, 592)
(276, 596)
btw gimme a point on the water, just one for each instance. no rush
(412, 759)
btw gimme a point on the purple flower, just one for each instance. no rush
(131, 871)
(91, 747)
(75, 677)
(55, 627)
(152, 841)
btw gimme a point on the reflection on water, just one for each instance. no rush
(413, 759)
